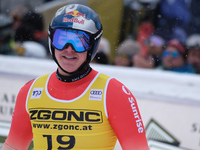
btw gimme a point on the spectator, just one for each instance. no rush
(152, 58)
(125, 52)
(31, 29)
(194, 23)
(104, 46)
(174, 58)
(6, 6)
(144, 31)
(193, 45)
(17, 13)
(103, 53)
(100, 58)
(31, 49)
(7, 43)
(174, 19)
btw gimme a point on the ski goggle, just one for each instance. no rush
(80, 40)
(172, 54)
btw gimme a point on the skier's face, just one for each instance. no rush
(69, 60)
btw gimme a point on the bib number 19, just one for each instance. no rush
(69, 144)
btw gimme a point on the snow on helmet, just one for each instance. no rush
(79, 18)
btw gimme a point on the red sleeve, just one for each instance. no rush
(125, 118)
(20, 134)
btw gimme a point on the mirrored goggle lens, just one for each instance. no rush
(79, 39)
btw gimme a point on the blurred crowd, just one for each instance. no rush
(22, 29)
(169, 41)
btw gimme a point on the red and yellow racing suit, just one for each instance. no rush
(91, 113)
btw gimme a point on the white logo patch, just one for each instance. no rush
(96, 94)
(37, 92)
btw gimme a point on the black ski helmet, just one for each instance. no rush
(77, 17)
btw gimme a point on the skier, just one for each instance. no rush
(75, 107)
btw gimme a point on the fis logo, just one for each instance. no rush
(37, 92)
(96, 94)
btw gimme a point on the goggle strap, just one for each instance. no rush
(98, 34)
